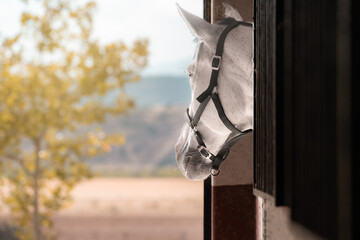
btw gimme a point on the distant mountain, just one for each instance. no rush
(151, 134)
(151, 129)
(161, 89)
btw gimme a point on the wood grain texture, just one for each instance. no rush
(314, 147)
(265, 97)
(235, 213)
(245, 8)
(302, 103)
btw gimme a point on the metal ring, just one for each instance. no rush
(214, 172)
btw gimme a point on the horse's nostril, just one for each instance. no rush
(186, 162)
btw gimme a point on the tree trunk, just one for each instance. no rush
(36, 217)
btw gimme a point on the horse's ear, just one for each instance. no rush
(198, 26)
(230, 11)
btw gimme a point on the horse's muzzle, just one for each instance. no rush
(193, 165)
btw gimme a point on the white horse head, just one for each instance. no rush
(235, 90)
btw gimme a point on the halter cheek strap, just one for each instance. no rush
(211, 93)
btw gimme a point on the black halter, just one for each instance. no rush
(211, 93)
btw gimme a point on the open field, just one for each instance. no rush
(133, 209)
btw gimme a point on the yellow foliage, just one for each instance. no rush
(44, 101)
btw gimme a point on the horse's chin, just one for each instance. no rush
(193, 165)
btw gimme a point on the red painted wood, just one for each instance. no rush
(235, 210)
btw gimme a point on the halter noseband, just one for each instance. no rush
(211, 93)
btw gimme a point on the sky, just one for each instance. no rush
(171, 43)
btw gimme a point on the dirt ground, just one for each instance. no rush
(133, 209)
(129, 228)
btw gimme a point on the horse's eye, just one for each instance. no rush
(189, 74)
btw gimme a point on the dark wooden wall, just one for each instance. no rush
(313, 111)
(305, 111)
(355, 120)
(265, 92)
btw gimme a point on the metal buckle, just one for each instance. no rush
(204, 152)
(215, 64)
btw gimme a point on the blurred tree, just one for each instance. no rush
(54, 78)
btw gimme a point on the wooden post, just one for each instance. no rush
(245, 8)
(234, 207)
